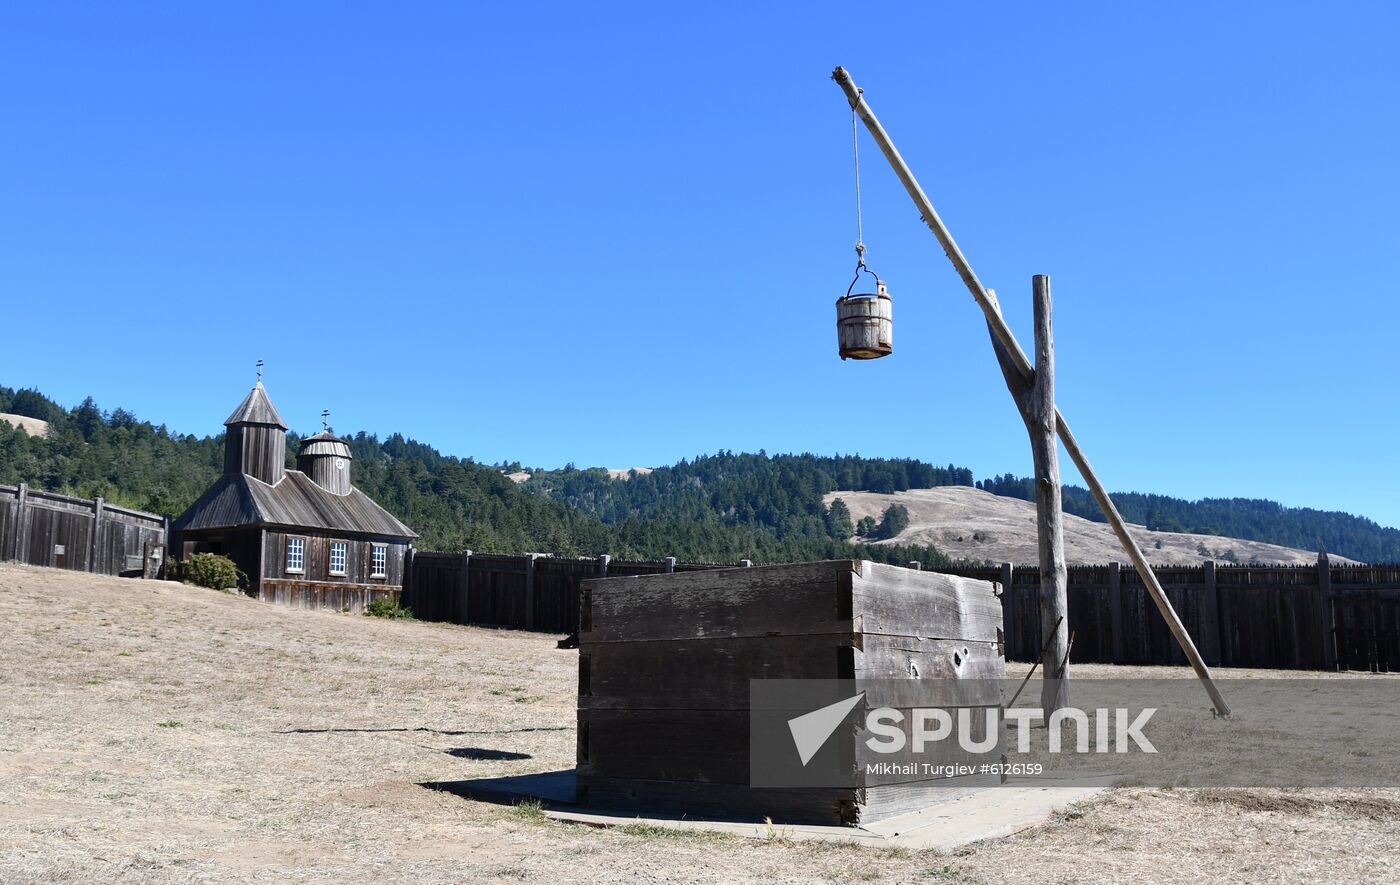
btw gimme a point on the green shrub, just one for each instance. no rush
(387, 607)
(213, 571)
(896, 520)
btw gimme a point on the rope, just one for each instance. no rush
(861, 266)
(855, 153)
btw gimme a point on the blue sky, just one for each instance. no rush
(613, 234)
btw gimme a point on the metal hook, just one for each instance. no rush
(861, 267)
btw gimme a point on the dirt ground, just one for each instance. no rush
(156, 732)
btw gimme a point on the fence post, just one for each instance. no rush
(603, 560)
(530, 590)
(1329, 627)
(262, 565)
(670, 564)
(21, 517)
(466, 584)
(1008, 612)
(96, 534)
(1115, 608)
(1210, 616)
(149, 562)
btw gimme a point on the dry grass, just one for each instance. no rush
(968, 523)
(150, 731)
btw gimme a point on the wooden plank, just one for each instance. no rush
(1210, 615)
(530, 591)
(901, 602)
(20, 545)
(700, 673)
(763, 601)
(1328, 621)
(1009, 612)
(704, 746)
(903, 657)
(463, 615)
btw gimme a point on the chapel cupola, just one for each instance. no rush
(325, 458)
(256, 441)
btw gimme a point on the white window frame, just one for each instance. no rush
(344, 559)
(379, 569)
(296, 553)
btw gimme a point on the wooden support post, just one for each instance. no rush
(1010, 617)
(1035, 400)
(670, 564)
(148, 549)
(1012, 352)
(603, 560)
(20, 548)
(465, 582)
(1050, 533)
(96, 546)
(530, 590)
(1329, 625)
(260, 580)
(1115, 609)
(1210, 615)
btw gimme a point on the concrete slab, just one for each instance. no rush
(970, 816)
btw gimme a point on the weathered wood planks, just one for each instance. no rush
(665, 663)
(59, 531)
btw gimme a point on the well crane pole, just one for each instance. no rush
(1022, 366)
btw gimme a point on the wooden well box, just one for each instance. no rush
(665, 663)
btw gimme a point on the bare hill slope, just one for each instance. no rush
(969, 523)
(31, 426)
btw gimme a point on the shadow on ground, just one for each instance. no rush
(482, 754)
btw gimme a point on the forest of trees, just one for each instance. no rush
(719, 508)
(455, 503)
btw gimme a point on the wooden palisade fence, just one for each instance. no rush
(1321, 617)
(43, 528)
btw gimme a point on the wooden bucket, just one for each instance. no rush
(864, 327)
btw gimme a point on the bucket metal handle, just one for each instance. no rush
(860, 269)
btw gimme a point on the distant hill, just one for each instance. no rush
(790, 494)
(1251, 519)
(32, 426)
(721, 507)
(968, 523)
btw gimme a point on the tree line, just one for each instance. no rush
(716, 508)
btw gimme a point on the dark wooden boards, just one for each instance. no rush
(1260, 616)
(665, 663)
(59, 531)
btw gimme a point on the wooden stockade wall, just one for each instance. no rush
(531, 592)
(1314, 617)
(42, 528)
